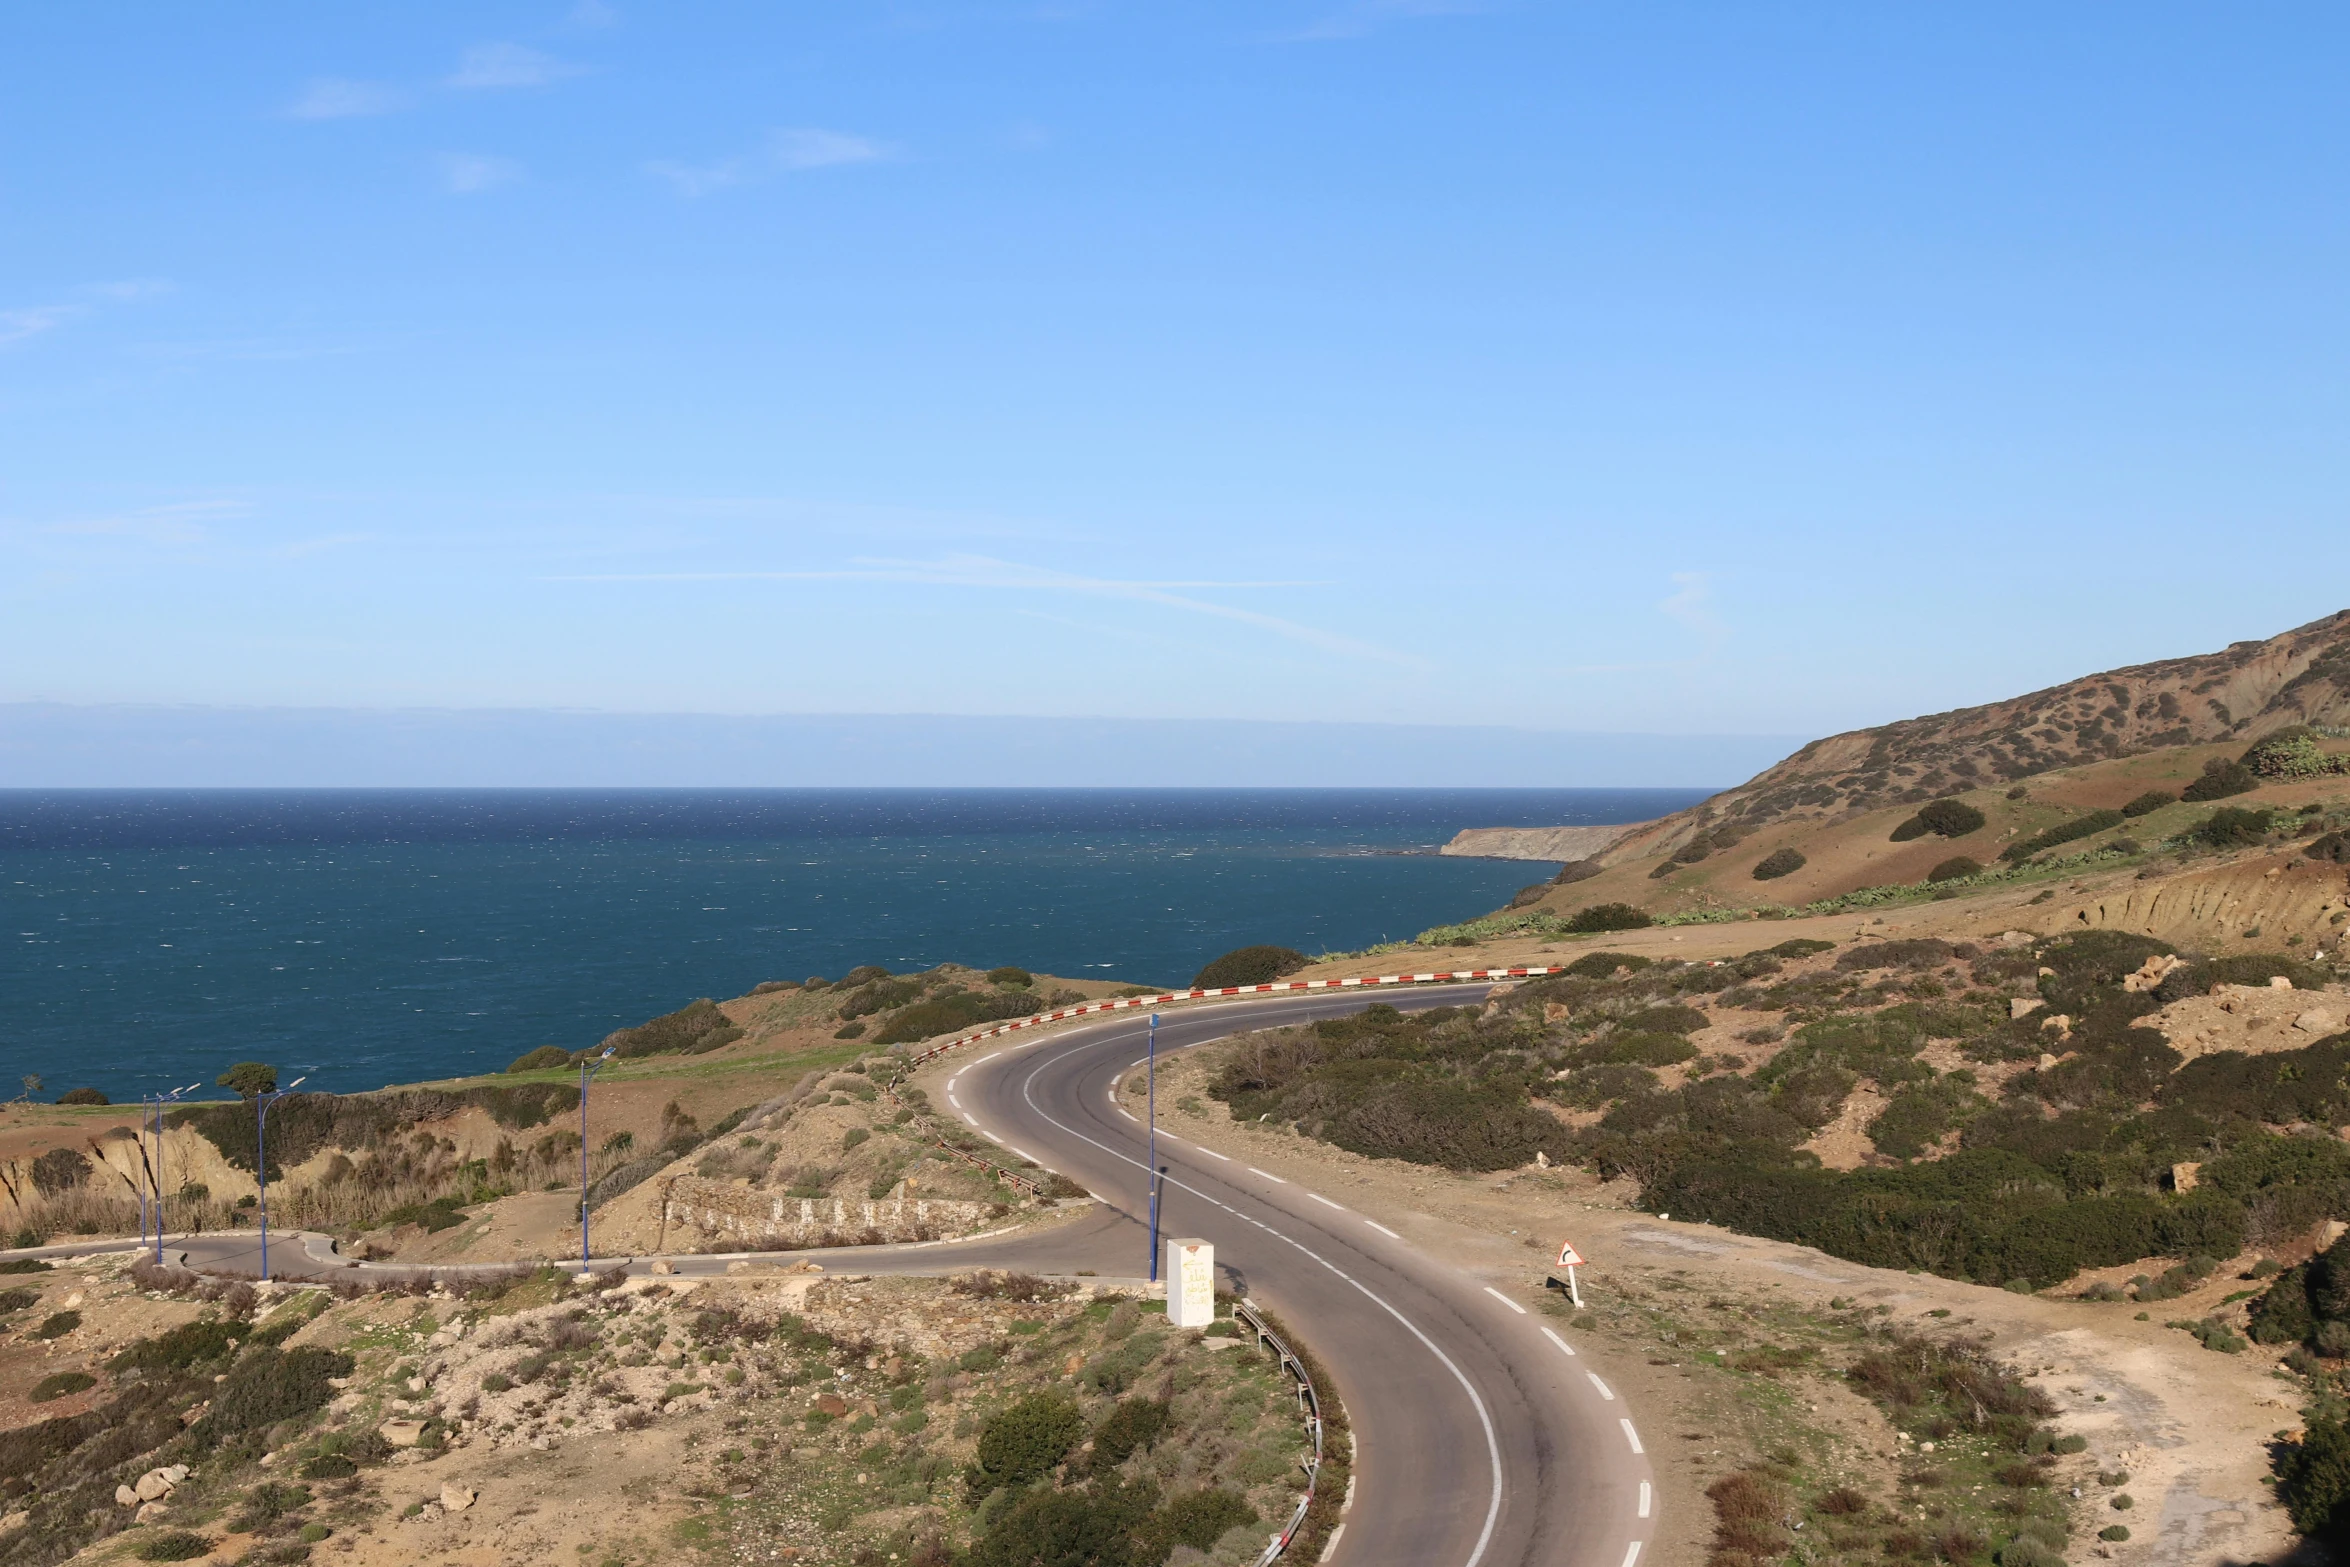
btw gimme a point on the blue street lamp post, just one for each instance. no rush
(156, 1104)
(1154, 1136)
(261, 1104)
(587, 1073)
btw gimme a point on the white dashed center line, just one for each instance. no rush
(1644, 1498)
(1383, 1229)
(970, 1119)
(1020, 1153)
(951, 1099)
(1268, 1175)
(1211, 1153)
(1631, 1436)
(1505, 1300)
(1602, 1386)
(1631, 1553)
(1326, 1202)
(983, 1060)
(990, 1136)
(1563, 1345)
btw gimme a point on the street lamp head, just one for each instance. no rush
(297, 1082)
(609, 1052)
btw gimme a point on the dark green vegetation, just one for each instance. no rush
(302, 1124)
(694, 1029)
(2148, 803)
(1956, 866)
(2221, 778)
(1605, 917)
(1944, 818)
(1248, 966)
(2079, 827)
(1778, 863)
(1083, 1434)
(2067, 1168)
(82, 1096)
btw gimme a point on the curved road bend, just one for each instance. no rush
(1482, 1441)
(1481, 1438)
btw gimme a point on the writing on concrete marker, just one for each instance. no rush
(1563, 1345)
(1602, 1386)
(1631, 1436)
(1505, 1300)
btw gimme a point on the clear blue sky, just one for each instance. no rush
(1658, 368)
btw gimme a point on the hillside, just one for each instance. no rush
(2232, 697)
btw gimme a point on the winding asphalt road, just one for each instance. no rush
(1482, 1438)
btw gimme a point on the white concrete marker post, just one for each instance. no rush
(1571, 1259)
(1191, 1283)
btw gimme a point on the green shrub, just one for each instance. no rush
(2116, 1532)
(693, 1029)
(268, 1385)
(249, 1078)
(59, 1384)
(2230, 828)
(1778, 863)
(59, 1171)
(1198, 1518)
(2221, 778)
(1691, 852)
(1950, 818)
(58, 1324)
(17, 1300)
(849, 1031)
(442, 1213)
(1248, 966)
(2314, 1479)
(2332, 849)
(1607, 916)
(1954, 868)
(172, 1545)
(1024, 1442)
(954, 1011)
(335, 1466)
(1601, 965)
(1670, 1019)
(1009, 975)
(1133, 1426)
(82, 1096)
(1909, 828)
(1576, 870)
(541, 1059)
(2148, 803)
(181, 1348)
(2063, 832)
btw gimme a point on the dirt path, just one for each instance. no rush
(2191, 1427)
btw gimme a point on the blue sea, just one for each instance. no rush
(369, 937)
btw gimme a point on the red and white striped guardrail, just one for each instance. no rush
(1124, 1003)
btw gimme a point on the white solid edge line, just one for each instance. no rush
(983, 1060)
(1476, 1400)
(1331, 1544)
(1602, 1386)
(1631, 1553)
(991, 1137)
(1560, 1342)
(1383, 1229)
(1326, 1202)
(1631, 1435)
(1505, 1300)
(1268, 1175)
(951, 1099)
(1644, 1498)
(969, 1117)
(1020, 1153)
(1211, 1153)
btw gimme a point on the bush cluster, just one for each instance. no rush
(2221, 778)
(693, 1029)
(2231, 827)
(2148, 803)
(1778, 863)
(2063, 832)
(1955, 868)
(2293, 753)
(1607, 916)
(1248, 966)
(1944, 818)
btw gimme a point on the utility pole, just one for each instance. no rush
(1155, 1171)
(261, 1104)
(587, 1074)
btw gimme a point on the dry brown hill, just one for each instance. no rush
(2236, 695)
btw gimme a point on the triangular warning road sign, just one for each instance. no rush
(1569, 1257)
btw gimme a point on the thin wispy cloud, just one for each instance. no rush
(486, 67)
(689, 180)
(1688, 606)
(986, 572)
(179, 522)
(808, 148)
(17, 325)
(594, 14)
(795, 151)
(469, 174)
(339, 98)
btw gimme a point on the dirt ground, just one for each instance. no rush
(2189, 1426)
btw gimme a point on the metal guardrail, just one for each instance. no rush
(1004, 1173)
(1266, 1337)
